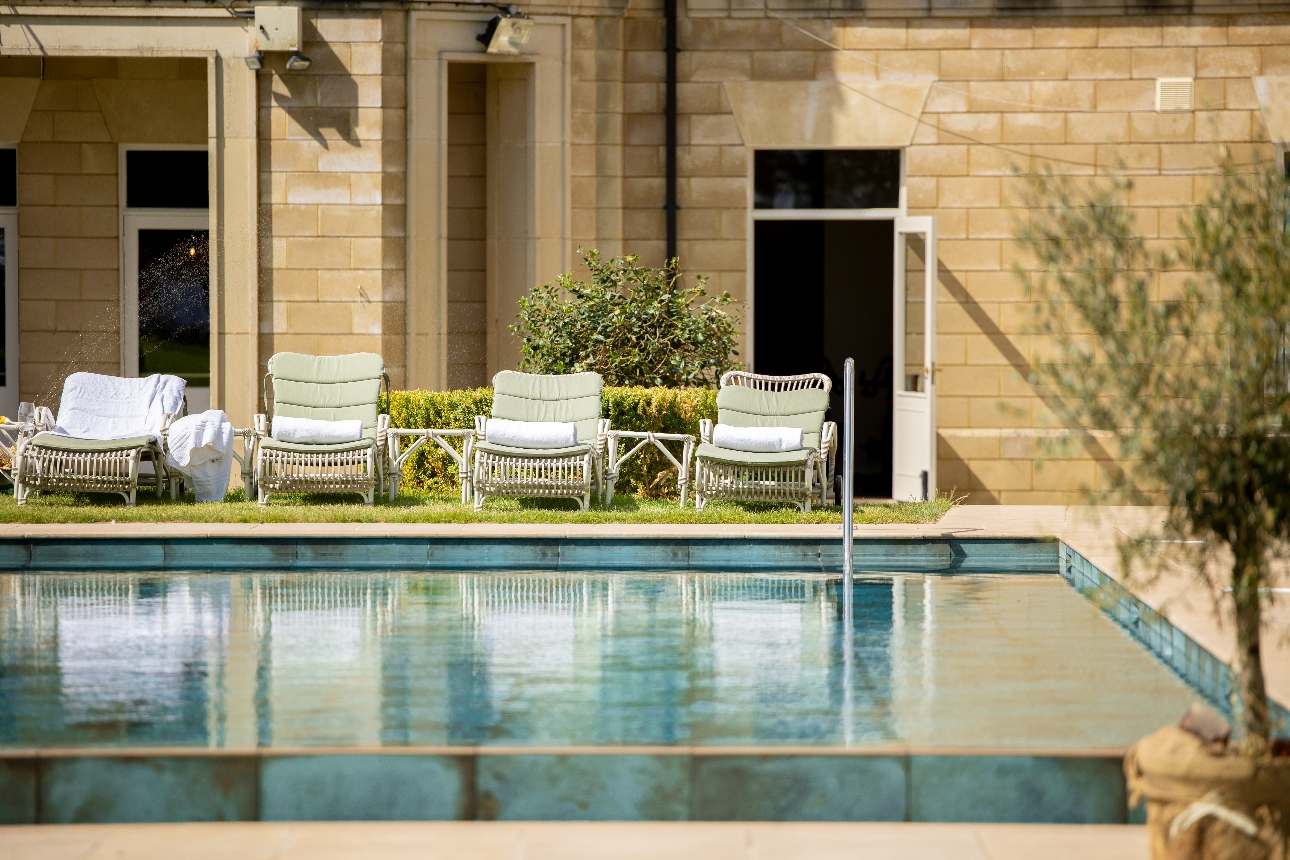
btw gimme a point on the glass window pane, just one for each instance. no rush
(174, 304)
(915, 251)
(166, 179)
(826, 179)
(8, 177)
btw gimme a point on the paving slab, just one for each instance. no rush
(583, 840)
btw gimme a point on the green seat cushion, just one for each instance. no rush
(568, 397)
(328, 387)
(741, 406)
(58, 442)
(310, 448)
(507, 451)
(708, 451)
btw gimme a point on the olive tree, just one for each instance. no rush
(632, 324)
(1179, 352)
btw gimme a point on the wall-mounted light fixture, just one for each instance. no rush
(277, 28)
(506, 33)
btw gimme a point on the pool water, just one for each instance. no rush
(240, 661)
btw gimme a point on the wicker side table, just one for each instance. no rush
(614, 463)
(440, 437)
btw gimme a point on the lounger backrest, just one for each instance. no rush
(743, 406)
(536, 397)
(328, 387)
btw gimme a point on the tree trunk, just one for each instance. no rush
(1247, 576)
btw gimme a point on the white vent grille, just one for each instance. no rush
(1175, 94)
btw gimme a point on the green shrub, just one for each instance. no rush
(631, 324)
(663, 410)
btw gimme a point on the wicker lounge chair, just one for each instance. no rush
(328, 388)
(561, 473)
(50, 462)
(753, 400)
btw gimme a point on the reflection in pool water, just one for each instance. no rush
(538, 659)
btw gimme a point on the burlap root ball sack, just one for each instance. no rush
(1205, 802)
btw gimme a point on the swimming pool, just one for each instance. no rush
(361, 660)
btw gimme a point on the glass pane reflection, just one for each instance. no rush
(174, 304)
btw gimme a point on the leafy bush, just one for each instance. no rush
(632, 324)
(664, 410)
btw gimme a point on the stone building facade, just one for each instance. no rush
(405, 190)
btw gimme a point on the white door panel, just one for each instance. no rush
(913, 445)
(9, 341)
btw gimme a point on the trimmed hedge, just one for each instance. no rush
(664, 410)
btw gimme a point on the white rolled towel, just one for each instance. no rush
(314, 431)
(531, 434)
(757, 440)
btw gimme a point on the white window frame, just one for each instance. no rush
(132, 220)
(10, 392)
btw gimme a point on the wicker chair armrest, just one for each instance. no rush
(260, 424)
(382, 429)
(705, 430)
(602, 435)
(481, 427)
(829, 438)
(43, 419)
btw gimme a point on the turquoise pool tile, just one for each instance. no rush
(522, 554)
(627, 555)
(582, 787)
(94, 790)
(18, 791)
(216, 554)
(750, 554)
(365, 788)
(798, 788)
(15, 555)
(342, 554)
(1024, 789)
(115, 554)
(900, 555)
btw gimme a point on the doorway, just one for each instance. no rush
(822, 292)
(165, 296)
(9, 283)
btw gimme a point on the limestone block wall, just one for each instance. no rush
(1076, 93)
(467, 227)
(333, 186)
(69, 279)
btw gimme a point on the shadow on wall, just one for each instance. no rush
(949, 463)
(324, 99)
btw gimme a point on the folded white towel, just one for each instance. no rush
(115, 407)
(315, 431)
(200, 447)
(531, 434)
(757, 440)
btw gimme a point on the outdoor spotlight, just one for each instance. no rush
(298, 62)
(255, 61)
(506, 34)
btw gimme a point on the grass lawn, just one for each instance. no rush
(414, 506)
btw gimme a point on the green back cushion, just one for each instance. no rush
(565, 397)
(741, 406)
(328, 387)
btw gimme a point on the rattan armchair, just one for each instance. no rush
(561, 473)
(328, 388)
(756, 400)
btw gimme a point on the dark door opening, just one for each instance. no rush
(822, 292)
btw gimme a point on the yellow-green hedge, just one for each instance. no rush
(665, 410)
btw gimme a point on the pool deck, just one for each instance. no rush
(584, 840)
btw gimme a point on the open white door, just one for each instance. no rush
(913, 438)
(9, 313)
